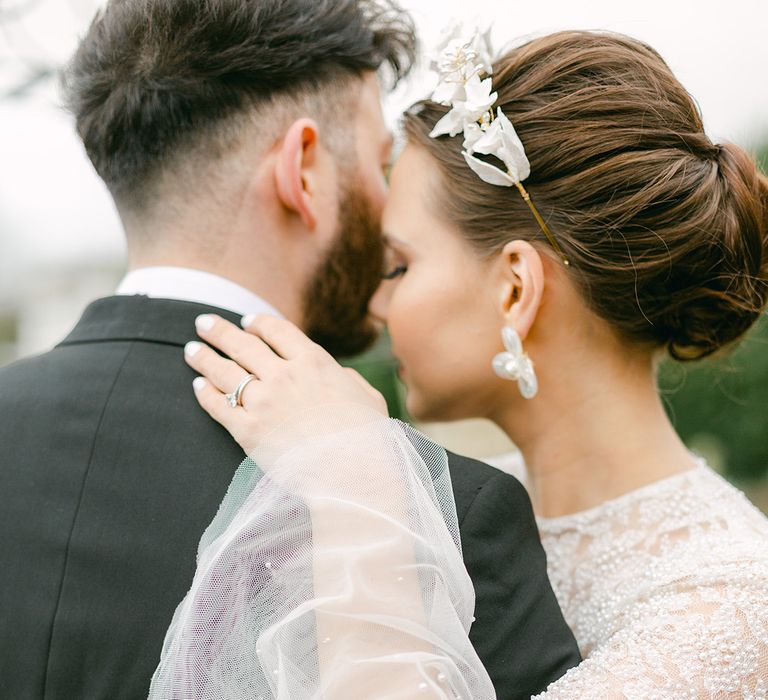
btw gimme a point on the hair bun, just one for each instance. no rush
(734, 289)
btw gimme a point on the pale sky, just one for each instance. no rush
(54, 211)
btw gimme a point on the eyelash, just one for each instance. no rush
(397, 272)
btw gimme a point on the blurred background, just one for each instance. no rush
(61, 246)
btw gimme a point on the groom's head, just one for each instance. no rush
(246, 137)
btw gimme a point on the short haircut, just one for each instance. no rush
(154, 80)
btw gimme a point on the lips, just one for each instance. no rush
(399, 368)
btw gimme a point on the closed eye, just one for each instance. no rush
(396, 272)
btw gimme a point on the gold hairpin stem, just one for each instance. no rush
(542, 223)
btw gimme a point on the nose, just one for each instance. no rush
(379, 304)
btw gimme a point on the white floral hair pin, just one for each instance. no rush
(464, 67)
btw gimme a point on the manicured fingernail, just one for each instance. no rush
(199, 384)
(247, 320)
(191, 349)
(205, 322)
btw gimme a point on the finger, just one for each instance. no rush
(286, 339)
(223, 373)
(247, 350)
(215, 405)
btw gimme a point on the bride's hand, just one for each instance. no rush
(292, 376)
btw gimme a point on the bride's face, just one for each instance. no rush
(440, 305)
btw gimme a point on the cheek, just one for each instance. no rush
(443, 333)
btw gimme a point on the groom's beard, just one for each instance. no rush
(336, 300)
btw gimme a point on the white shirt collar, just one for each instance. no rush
(185, 284)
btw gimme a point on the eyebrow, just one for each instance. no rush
(390, 239)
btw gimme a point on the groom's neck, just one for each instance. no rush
(242, 237)
(261, 273)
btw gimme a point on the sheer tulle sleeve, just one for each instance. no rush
(332, 572)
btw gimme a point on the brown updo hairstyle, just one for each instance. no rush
(666, 232)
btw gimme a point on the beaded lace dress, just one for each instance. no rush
(666, 590)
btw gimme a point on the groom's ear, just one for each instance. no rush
(522, 285)
(294, 171)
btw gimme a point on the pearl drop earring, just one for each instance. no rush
(515, 365)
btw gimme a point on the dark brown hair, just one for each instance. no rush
(153, 78)
(666, 232)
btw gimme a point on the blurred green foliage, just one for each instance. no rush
(720, 406)
(380, 369)
(8, 337)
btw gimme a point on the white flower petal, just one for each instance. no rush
(481, 45)
(452, 123)
(446, 93)
(450, 35)
(491, 141)
(473, 88)
(480, 99)
(472, 134)
(462, 53)
(479, 90)
(513, 152)
(487, 172)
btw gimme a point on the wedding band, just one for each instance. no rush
(234, 399)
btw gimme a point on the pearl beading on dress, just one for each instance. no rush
(666, 590)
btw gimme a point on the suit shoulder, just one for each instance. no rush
(59, 371)
(21, 370)
(474, 474)
(30, 367)
(470, 477)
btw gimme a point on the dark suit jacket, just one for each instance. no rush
(110, 472)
